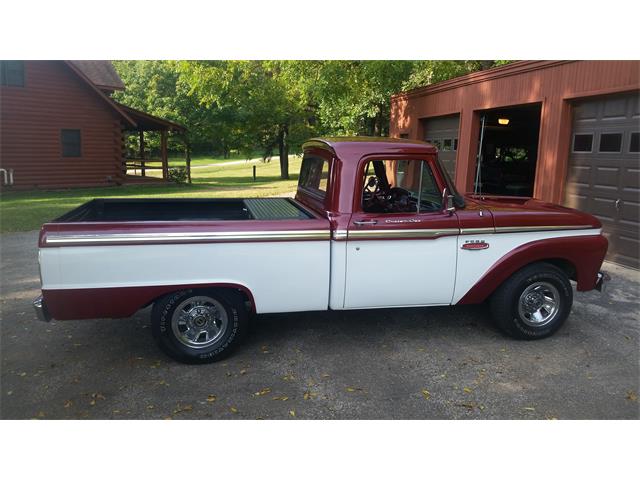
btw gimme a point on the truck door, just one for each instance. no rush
(401, 245)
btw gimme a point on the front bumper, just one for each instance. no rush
(601, 281)
(41, 310)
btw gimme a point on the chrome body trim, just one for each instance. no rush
(403, 233)
(128, 238)
(477, 231)
(41, 310)
(542, 228)
(340, 234)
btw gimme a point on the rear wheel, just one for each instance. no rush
(533, 303)
(199, 326)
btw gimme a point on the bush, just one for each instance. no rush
(177, 174)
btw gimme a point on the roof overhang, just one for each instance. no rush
(100, 93)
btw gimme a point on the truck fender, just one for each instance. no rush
(584, 253)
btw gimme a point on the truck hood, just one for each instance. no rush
(528, 212)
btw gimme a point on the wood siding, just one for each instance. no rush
(32, 117)
(554, 84)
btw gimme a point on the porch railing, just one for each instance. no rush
(142, 165)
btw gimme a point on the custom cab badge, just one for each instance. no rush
(474, 245)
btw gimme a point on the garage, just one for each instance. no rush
(442, 132)
(603, 175)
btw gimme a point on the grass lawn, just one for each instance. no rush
(199, 160)
(24, 211)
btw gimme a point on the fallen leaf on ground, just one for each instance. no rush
(309, 395)
(469, 406)
(211, 398)
(182, 408)
(233, 410)
(264, 391)
(632, 396)
(68, 403)
(292, 413)
(150, 407)
(325, 375)
(243, 371)
(530, 409)
(289, 377)
(467, 390)
(353, 389)
(283, 399)
(426, 394)
(95, 397)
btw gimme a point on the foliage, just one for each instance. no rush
(272, 106)
(177, 175)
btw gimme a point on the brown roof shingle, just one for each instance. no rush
(101, 73)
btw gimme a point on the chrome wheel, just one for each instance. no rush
(199, 321)
(539, 304)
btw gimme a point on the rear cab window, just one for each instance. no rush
(314, 177)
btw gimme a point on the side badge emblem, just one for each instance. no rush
(475, 245)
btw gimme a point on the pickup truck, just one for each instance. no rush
(375, 223)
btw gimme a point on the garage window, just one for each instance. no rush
(633, 143)
(447, 144)
(583, 142)
(610, 142)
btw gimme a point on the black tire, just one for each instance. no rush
(541, 282)
(224, 310)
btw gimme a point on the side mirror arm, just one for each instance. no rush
(447, 202)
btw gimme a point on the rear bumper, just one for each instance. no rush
(41, 310)
(601, 281)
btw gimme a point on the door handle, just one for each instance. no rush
(618, 205)
(365, 222)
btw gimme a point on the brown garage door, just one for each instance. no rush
(443, 133)
(604, 170)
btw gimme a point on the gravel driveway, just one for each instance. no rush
(407, 363)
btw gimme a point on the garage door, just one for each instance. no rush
(604, 170)
(443, 133)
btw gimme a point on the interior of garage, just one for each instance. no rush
(508, 146)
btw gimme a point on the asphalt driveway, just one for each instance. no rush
(389, 364)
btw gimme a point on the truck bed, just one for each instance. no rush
(185, 209)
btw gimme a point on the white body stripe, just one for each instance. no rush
(297, 275)
(282, 276)
(473, 264)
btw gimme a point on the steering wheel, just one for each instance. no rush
(373, 185)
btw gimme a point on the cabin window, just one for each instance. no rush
(400, 186)
(314, 176)
(71, 143)
(12, 73)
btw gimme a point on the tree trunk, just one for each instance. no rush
(283, 147)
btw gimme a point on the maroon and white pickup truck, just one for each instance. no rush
(375, 223)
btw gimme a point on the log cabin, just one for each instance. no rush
(60, 127)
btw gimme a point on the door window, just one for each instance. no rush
(400, 186)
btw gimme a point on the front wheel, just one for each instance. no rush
(199, 326)
(533, 303)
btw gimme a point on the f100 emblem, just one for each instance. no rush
(475, 245)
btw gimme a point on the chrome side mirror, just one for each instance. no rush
(447, 202)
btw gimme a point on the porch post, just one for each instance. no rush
(141, 151)
(163, 154)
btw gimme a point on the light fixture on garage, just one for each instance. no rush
(503, 121)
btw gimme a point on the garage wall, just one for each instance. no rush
(554, 84)
(603, 175)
